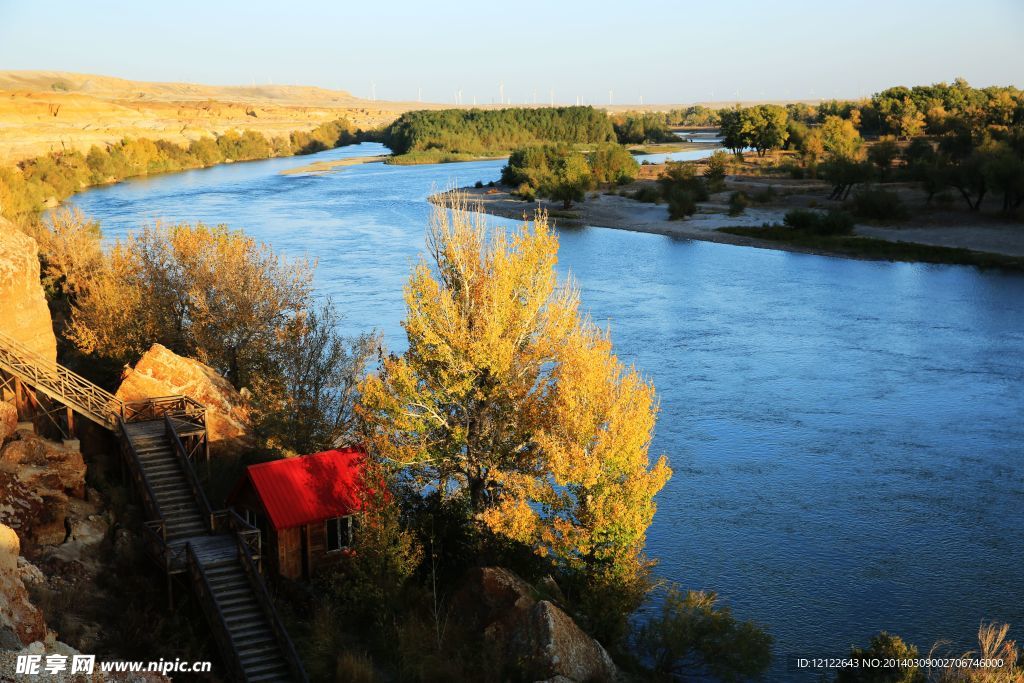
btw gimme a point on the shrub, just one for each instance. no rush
(612, 164)
(885, 647)
(795, 171)
(692, 633)
(681, 202)
(832, 223)
(879, 205)
(714, 172)
(649, 194)
(355, 668)
(524, 191)
(478, 184)
(764, 196)
(738, 202)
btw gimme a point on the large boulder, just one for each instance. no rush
(161, 372)
(549, 644)
(8, 420)
(24, 314)
(17, 613)
(540, 638)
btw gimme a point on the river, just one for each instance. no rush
(847, 436)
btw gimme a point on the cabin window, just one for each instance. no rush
(339, 532)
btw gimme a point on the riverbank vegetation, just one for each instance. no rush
(41, 182)
(456, 134)
(564, 173)
(949, 139)
(642, 127)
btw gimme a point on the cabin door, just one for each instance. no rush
(305, 551)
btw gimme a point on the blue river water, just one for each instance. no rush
(847, 436)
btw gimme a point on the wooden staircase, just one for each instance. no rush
(217, 551)
(179, 509)
(256, 645)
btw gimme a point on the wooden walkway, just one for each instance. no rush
(217, 552)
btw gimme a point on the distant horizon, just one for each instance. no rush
(452, 52)
(598, 105)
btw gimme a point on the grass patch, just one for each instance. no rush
(871, 248)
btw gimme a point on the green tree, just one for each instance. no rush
(570, 179)
(306, 402)
(715, 170)
(840, 138)
(767, 127)
(882, 154)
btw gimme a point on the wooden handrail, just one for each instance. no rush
(190, 474)
(276, 625)
(214, 614)
(157, 541)
(233, 523)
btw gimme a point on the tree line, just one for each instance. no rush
(495, 132)
(954, 137)
(31, 185)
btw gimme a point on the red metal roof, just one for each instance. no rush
(309, 488)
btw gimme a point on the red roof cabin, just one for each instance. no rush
(305, 508)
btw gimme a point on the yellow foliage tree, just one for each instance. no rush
(509, 397)
(205, 291)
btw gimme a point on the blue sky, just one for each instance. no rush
(661, 51)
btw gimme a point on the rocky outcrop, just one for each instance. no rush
(161, 372)
(550, 644)
(17, 613)
(38, 480)
(8, 420)
(540, 638)
(23, 629)
(24, 314)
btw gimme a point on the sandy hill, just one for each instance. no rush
(43, 111)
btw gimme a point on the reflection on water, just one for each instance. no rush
(846, 435)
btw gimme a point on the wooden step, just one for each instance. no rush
(248, 609)
(261, 657)
(238, 619)
(244, 644)
(243, 590)
(161, 467)
(184, 529)
(274, 670)
(176, 498)
(262, 668)
(252, 633)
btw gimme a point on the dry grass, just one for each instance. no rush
(992, 645)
